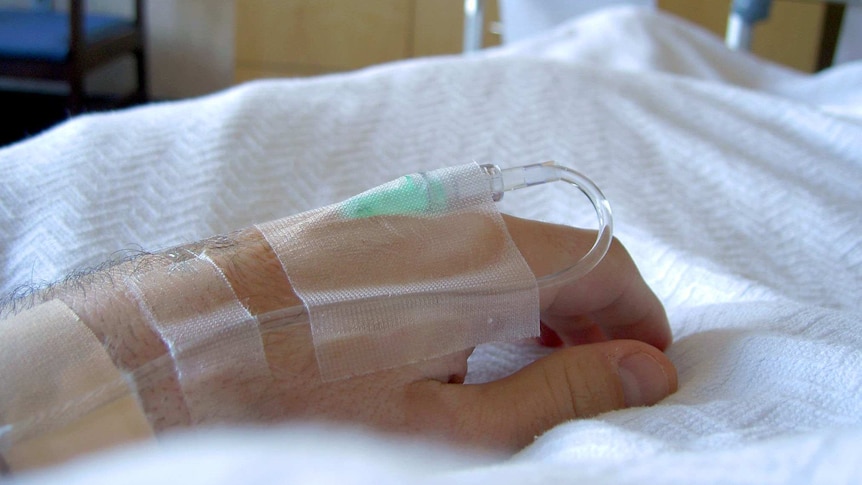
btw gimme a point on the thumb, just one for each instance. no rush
(574, 382)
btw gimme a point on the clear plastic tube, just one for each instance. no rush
(162, 367)
(505, 180)
(502, 181)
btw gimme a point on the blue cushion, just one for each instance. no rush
(45, 35)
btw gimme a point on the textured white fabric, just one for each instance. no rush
(735, 185)
(416, 268)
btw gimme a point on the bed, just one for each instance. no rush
(735, 185)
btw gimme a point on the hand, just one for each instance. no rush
(611, 325)
(611, 311)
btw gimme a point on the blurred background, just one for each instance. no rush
(193, 47)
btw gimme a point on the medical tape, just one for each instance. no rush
(417, 268)
(60, 393)
(212, 338)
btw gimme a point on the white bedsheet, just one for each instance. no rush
(736, 186)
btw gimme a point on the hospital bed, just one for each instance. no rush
(735, 185)
(743, 17)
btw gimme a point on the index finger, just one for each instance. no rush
(613, 297)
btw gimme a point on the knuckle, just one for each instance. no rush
(592, 382)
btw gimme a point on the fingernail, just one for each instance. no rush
(644, 380)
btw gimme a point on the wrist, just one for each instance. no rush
(104, 301)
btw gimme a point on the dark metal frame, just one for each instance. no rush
(85, 56)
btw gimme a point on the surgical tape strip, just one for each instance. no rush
(212, 338)
(417, 268)
(60, 393)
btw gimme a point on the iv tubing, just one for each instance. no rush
(505, 180)
(501, 181)
(541, 173)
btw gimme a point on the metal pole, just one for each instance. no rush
(743, 15)
(474, 21)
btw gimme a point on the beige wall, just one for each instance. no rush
(276, 38)
(190, 45)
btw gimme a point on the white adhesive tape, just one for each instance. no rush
(61, 393)
(213, 339)
(417, 268)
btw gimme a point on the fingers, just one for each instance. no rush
(612, 299)
(575, 382)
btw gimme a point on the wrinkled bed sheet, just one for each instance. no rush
(736, 186)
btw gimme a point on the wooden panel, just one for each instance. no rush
(711, 14)
(336, 34)
(439, 26)
(244, 73)
(791, 35)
